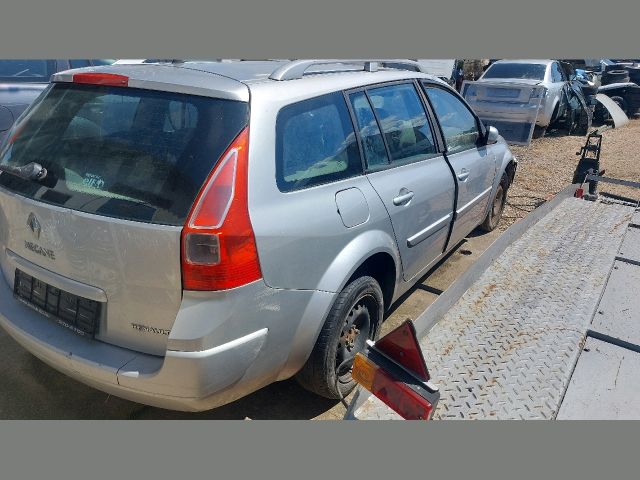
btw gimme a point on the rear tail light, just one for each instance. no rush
(110, 79)
(218, 244)
(393, 369)
(397, 395)
(539, 92)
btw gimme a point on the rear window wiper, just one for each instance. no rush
(30, 171)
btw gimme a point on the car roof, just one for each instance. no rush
(233, 79)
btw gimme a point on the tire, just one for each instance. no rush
(615, 76)
(617, 66)
(538, 132)
(621, 102)
(360, 303)
(497, 206)
(634, 74)
(589, 90)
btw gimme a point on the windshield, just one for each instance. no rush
(530, 71)
(26, 70)
(121, 152)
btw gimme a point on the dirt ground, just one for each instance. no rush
(546, 166)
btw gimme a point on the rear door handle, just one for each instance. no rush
(404, 197)
(463, 175)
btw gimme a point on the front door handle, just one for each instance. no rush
(464, 174)
(404, 197)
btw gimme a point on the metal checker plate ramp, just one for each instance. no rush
(508, 346)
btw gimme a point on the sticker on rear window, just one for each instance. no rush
(94, 181)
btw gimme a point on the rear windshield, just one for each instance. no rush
(121, 152)
(531, 71)
(26, 70)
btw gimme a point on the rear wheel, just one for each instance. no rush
(497, 206)
(538, 132)
(355, 317)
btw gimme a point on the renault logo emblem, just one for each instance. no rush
(34, 225)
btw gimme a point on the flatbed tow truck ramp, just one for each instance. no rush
(545, 325)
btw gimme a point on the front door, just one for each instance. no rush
(473, 163)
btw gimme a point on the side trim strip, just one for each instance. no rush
(427, 232)
(474, 201)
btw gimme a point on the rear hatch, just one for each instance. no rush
(98, 239)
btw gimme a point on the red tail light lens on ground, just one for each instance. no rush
(110, 79)
(397, 395)
(218, 244)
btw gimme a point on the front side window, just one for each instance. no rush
(458, 124)
(316, 143)
(404, 123)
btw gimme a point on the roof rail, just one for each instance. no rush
(296, 68)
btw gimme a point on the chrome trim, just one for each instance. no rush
(473, 201)
(427, 232)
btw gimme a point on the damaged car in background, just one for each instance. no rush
(524, 98)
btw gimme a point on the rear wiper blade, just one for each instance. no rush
(30, 171)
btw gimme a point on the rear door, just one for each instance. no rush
(124, 167)
(407, 170)
(474, 163)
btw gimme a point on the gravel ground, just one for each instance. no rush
(546, 166)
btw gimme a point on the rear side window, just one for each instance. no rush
(316, 143)
(403, 120)
(556, 73)
(122, 152)
(458, 124)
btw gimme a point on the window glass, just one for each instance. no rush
(122, 152)
(316, 143)
(556, 73)
(79, 63)
(26, 70)
(403, 121)
(531, 71)
(101, 61)
(373, 147)
(458, 124)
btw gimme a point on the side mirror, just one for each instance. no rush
(492, 135)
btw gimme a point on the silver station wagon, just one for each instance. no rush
(183, 233)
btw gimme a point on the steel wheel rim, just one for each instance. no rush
(498, 203)
(355, 331)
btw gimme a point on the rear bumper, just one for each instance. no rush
(189, 381)
(181, 380)
(511, 112)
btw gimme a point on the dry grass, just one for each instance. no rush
(546, 166)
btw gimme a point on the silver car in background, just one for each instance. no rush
(182, 234)
(21, 81)
(520, 92)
